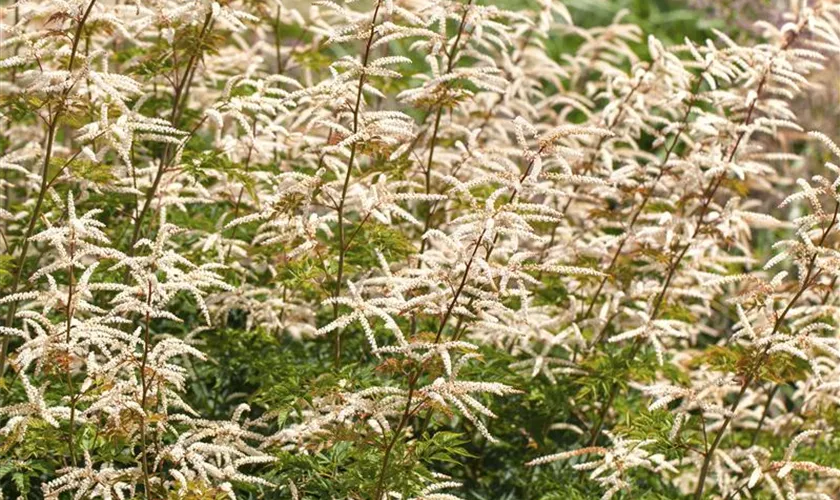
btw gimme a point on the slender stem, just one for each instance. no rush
(178, 104)
(602, 416)
(238, 205)
(433, 141)
(36, 212)
(341, 244)
(662, 168)
(78, 35)
(609, 124)
(69, 161)
(764, 414)
(708, 197)
(380, 482)
(753, 372)
(356, 231)
(145, 390)
(69, 322)
(704, 470)
(414, 378)
(451, 54)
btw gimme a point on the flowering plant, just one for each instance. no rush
(427, 249)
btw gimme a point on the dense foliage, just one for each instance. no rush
(418, 249)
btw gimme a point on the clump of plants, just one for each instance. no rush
(414, 249)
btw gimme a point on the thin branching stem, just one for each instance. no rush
(342, 247)
(52, 127)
